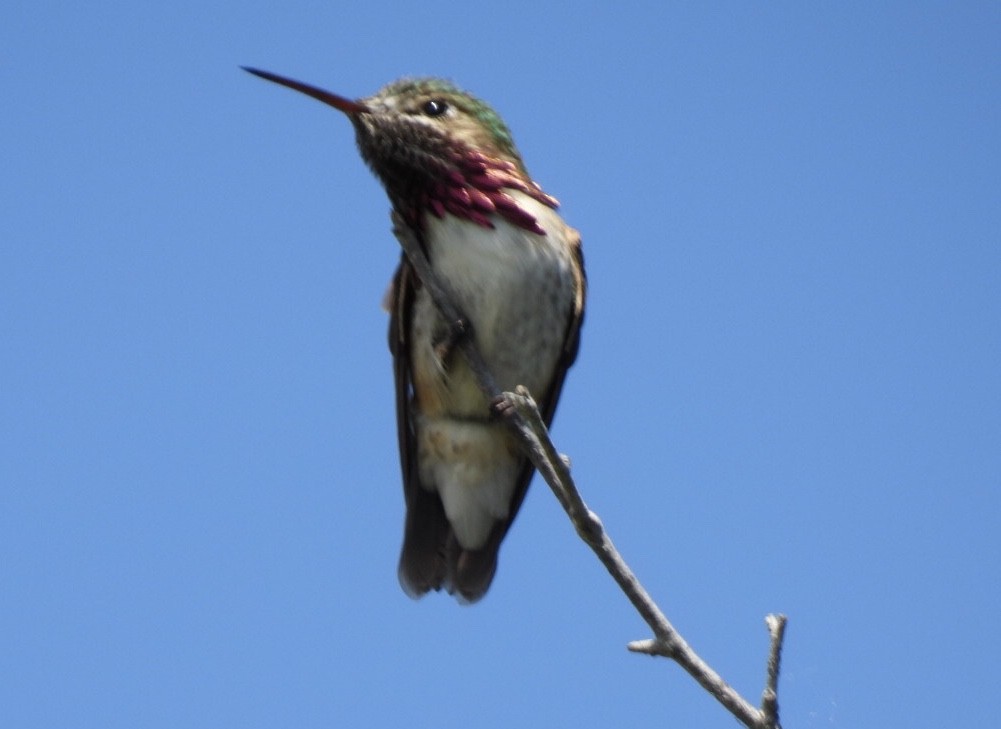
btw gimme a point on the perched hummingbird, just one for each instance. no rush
(515, 269)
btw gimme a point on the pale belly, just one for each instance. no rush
(517, 290)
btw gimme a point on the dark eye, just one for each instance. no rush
(434, 107)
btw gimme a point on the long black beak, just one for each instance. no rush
(338, 102)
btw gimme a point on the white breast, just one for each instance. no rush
(517, 290)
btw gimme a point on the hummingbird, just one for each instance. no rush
(515, 269)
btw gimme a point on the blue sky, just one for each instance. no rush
(787, 400)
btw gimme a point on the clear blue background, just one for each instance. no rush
(788, 397)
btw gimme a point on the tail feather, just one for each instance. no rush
(432, 558)
(423, 558)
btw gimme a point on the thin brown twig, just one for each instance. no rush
(770, 696)
(522, 415)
